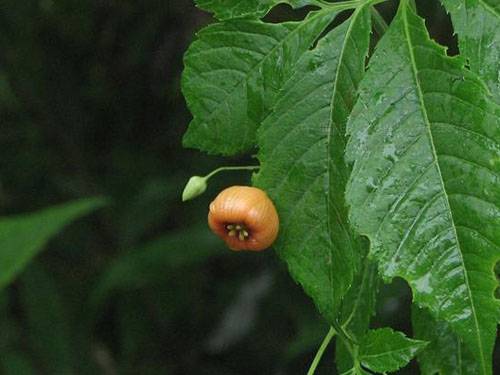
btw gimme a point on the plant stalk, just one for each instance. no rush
(321, 350)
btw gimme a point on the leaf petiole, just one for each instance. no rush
(321, 350)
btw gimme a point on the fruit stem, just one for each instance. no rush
(221, 169)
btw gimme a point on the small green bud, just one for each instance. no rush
(195, 186)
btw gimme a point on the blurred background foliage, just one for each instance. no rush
(90, 105)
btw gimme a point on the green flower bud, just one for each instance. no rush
(195, 186)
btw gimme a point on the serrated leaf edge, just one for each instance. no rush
(441, 179)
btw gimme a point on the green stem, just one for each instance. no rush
(343, 333)
(321, 350)
(378, 22)
(221, 169)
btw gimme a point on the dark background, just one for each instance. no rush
(90, 104)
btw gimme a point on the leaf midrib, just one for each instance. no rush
(367, 273)
(489, 8)
(441, 180)
(329, 143)
(409, 346)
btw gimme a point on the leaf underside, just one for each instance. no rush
(425, 188)
(232, 75)
(302, 168)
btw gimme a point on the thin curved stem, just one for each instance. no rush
(321, 350)
(242, 168)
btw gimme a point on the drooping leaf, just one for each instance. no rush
(23, 236)
(152, 261)
(302, 144)
(425, 186)
(477, 23)
(233, 72)
(445, 354)
(385, 350)
(230, 9)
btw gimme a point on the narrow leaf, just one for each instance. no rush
(23, 236)
(230, 9)
(477, 23)
(445, 354)
(385, 350)
(232, 76)
(152, 261)
(302, 168)
(425, 186)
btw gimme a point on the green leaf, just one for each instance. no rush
(385, 350)
(445, 354)
(477, 23)
(152, 261)
(302, 168)
(233, 73)
(229, 9)
(23, 237)
(47, 320)
(425, 185)
(358, 307)
(359, 303)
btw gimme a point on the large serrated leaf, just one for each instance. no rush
(385, 350)
(233, 74)
(23, 236)
(445, 354)
(302, 168)
(477, 23)
(230, 9)
(425, 186)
